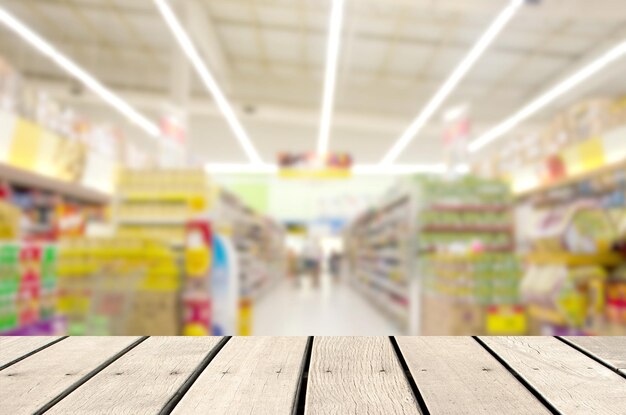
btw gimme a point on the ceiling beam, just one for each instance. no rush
(200, 106)
(610, 10)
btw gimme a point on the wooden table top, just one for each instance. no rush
(321, 375)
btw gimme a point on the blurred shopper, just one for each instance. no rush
(293, 264)
(334, 265)
(312, 255)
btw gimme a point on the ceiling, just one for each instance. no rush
(269, 57)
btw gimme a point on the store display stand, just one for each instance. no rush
(381, 246)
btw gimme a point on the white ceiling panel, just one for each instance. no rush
(239, 41)
(283, 46)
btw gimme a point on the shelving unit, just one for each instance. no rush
(380, 246)
(258, 241)
(158, 204)
(17, 176)
(465, 257)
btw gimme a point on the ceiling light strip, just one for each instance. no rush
(207, 78)
(330, 80)
(79, 73)
(446, 89)
(549, 96)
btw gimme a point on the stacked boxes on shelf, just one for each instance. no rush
(260, 252)
(470, 274)
(568, 130)
(28, 289)
(573, 279)
(162, 204)
(9, 221)
(378, 246)
(157, 204)
(118, 286)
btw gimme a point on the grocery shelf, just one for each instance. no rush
(18, 176)
(572, 179)
(467, 228)
(546, 315)
(468, 208)
(153, 221)
(572, 260)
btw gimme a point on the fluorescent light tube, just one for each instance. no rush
(76, 71)
(207, 78)
(446, 89)
(547, 97)
(332, 60)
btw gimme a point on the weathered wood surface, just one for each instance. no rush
(354, 375)
(141, 381)
(455, 375)
(572, 382)
(282, 375)
(31, 383)
(12, 348)
(611, 350)
(250, 375)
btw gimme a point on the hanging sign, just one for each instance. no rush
(314, 166)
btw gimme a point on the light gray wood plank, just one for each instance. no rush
(572, 382)
(251, 375)
(455, 375)
(355, 375)
(141, 381)
(12, 348)
(31, 383)
(611, 350)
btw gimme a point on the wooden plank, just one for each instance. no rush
(31, 383)
(141, 381)
(357, 375)
(12, 348)
(250, 375)
(572, 382)
(455, 375)
(611, 350)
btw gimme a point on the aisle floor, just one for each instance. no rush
(331, 309)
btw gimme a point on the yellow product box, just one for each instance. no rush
(506, 320)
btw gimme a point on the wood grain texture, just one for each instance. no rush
(141, 381)
(455, 375)
(572, 382)
(250, 375)
(12, 348)
(29, 384)
(611, 350)
(357, 375)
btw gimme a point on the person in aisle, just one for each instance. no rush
(312, 255)
(293, 267)
(334, 265)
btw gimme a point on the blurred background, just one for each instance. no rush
(312, 167)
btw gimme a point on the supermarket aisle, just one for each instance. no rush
(331, 309)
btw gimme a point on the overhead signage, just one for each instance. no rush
(314, 166)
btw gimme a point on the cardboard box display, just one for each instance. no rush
(154, 313)
(443, 317)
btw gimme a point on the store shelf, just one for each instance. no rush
(153, 221)
(469, 208)
(467, 228)
(485, 249)
(572, 179)
(546, 315)
(21, 177)
(393, 310)
(574, 260)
